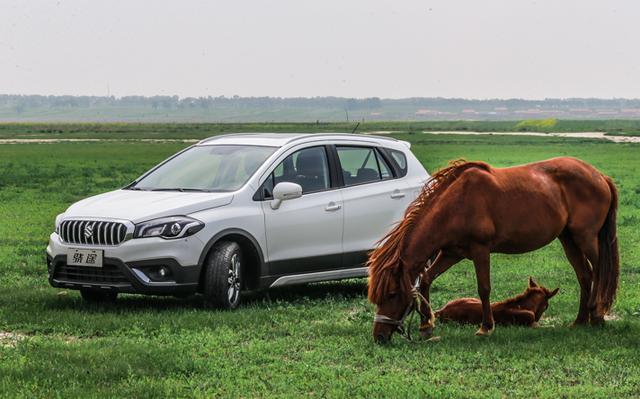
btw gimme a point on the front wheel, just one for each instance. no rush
(222, 278)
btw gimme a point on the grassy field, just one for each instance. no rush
(202, 130)
(312, 340)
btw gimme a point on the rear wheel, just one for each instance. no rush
(96, 296)
(222, 276)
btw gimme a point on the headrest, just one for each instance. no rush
(310, 162)
(367, 174)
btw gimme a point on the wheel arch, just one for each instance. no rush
(253, 267)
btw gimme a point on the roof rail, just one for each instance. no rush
(341, 135)
(300, 137)
(219, 136)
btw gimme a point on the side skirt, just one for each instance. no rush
(320, 276)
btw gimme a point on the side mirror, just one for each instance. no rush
(285, 191)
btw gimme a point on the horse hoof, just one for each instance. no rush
(597, 321)
(483, 332)
(535, 324)
(426, 333)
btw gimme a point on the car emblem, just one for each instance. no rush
(88, 230)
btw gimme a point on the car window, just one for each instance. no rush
(400, 159)
(206, 168)
(360, 165)
(308, 167)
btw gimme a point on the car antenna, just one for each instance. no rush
(355, 128)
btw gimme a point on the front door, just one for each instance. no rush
(304, 234)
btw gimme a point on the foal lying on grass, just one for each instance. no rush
(523, 310)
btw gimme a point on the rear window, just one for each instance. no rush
(362, 165)
(400, 159)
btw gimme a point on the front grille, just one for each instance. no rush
(91, 232)
(108, 274)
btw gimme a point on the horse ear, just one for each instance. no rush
(532, 284)
(552, 293)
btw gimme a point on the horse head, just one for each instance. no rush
(539, 297)
(393, 294)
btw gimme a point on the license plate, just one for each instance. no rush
(84, 257)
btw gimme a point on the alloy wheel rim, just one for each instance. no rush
(233, 279)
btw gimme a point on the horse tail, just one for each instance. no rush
(607, 271)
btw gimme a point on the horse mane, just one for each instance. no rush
(384, 260)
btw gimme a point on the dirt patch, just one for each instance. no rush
(575, 135)
(53, 141)
(582, 135)
(10, 339)
(611, 317)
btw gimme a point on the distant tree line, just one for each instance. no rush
(21, 103)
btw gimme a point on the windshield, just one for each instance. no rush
(206, 168)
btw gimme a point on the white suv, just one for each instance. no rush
(236, 212)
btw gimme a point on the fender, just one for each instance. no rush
(262, 267)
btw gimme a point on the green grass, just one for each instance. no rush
(312, 340)
(202, 130)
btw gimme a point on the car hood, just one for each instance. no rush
(138, 206)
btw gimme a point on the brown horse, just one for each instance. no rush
(525, 309)
(470, 209)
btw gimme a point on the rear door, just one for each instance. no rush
(374, 198)
(304, 234)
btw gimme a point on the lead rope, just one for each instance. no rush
(418, 299)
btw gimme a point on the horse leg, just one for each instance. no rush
(583, 272)
(522, 317)
(588, 243)
(442, 263)
(482, 264)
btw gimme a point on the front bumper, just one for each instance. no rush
(131, 267)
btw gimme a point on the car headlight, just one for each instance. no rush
(58, 221)
(169, 227)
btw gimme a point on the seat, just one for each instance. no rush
(366, 175)
(311, 170)
(346, 176)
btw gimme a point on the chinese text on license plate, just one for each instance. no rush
(84, 257)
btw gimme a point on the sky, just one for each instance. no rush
(348, 48)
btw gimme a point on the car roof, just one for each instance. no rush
(281, 139)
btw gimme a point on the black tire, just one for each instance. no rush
(95, 296)
(222, 280)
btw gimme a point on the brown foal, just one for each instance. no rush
(470, 210)
(525, 309)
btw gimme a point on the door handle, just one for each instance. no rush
(332, 207)
(397, 194)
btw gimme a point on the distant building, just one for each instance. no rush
(425, 111)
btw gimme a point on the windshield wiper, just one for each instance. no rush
(182, 190)
(135, 188)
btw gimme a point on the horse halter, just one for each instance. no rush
(414, 305)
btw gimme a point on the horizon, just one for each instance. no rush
(300, 109)
(333, 96)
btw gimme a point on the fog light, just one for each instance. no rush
(163, 271)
